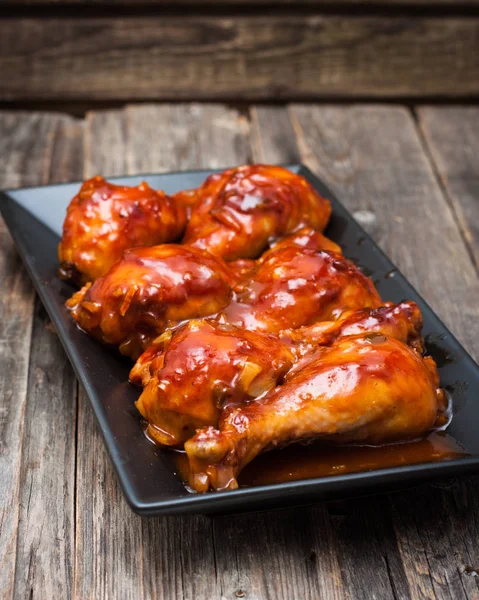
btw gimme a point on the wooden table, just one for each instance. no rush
(55, 51)
(412, 179)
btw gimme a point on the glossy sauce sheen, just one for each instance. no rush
(362, 389)
(104, 220)
(194, 374)
(148, 291)
(236, 212)
(293, 286)
(301, 461)
(244, 357)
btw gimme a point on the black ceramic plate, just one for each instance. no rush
(147, 476)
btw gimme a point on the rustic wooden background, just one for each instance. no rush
(409, 172)
(238, 50)
(412, 178)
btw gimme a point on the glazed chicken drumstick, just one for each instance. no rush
(203, 367)
(237, 211)
(103, 220)
(192, 374)
(370, 389)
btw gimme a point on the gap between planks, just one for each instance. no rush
(451, 137)
(162, 557)
(32, 157)
(444, 188)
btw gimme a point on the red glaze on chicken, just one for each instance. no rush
(104, 220)
(306, 237)
(203, 367)
(293, 286)
(148, 291)
(401, 321)
(369, 389)
(191, 374)
(237, 211)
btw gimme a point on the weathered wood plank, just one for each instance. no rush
(437, 532)
(44, 567)
(120, 555)
(272, 136)
(26, 148)
(340, 568)
(238, 57)
(452, 136)
(387, 181)
(205, 135)
(45, 547)
(67, 152)
(280, 554)
(370, 562)
(107, 158)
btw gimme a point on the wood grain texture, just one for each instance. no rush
(185, 136)
(412, 544)
(388, 183)
(280, 554)
(452, 136)
(107, 158)
(437, 532)
(160, 557)
(44, 566)
(26, 149)
(272, 136)
(238, 57)
(347, 541)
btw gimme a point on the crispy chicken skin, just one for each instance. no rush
(237, 211)
(149, 290)
(293, 286)
(201, 369)
(369, 389)
(104, 220)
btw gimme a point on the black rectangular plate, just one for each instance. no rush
(35, 217)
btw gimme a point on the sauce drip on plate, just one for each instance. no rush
(307, 461)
